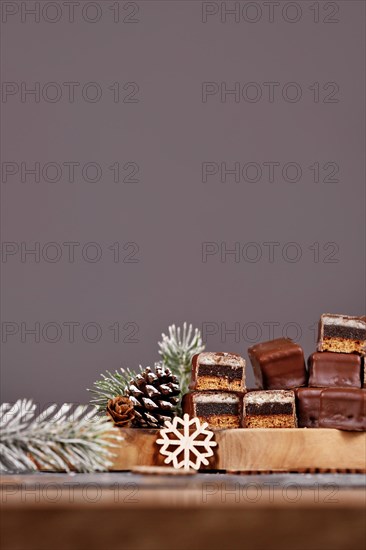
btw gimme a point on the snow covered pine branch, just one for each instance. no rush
(59, 438)
(177, 350)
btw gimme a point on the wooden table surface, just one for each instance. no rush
(45, 511)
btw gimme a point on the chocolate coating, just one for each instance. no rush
(308, 407)
(278, 364)
(343, 408)
(327, 369)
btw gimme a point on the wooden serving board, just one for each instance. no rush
(245, 450)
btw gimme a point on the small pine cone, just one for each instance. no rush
(121, 410)
(155, 396)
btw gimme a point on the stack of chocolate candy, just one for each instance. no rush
(279, 368)
(329, 395)
(334, 397)
(218, 385)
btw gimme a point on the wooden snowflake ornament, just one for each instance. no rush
(179, 443)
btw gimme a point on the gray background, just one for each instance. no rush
(170, 212)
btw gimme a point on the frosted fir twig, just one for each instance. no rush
(110, 385)
(57, 439)
(177, 349)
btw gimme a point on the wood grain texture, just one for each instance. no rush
(181, 519)
(168, 529)
(171, 529)
(257, 450)
(201, 512)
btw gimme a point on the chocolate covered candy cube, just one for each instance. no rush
(308, 407)
(278, 364)
(343, 408)
(327, 369)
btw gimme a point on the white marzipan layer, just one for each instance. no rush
(226, 360)
(221, 397)
(343, 321)
(270, 396)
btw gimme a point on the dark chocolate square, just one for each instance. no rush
(327, 369)
(278, 364)
(343, 408)
(308, 407)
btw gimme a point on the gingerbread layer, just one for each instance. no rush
(206, 383)
(270, 421)
(221, 422)
(342, 345)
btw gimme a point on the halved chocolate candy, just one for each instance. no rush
(218, 371)
(219, 409)
(270, 409)
(342, 334)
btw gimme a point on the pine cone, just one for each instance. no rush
(154, 397)
(121, 410)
